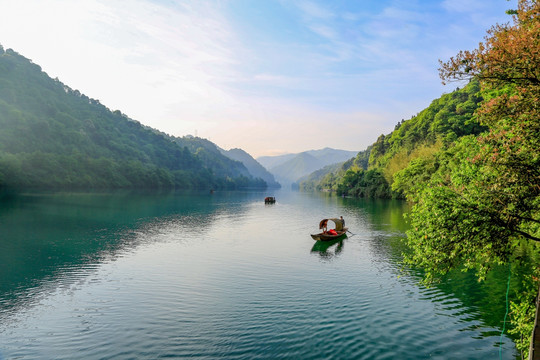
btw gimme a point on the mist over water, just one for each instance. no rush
(199, 275)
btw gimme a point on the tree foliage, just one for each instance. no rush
(332, 177)
(413, 141)
(52, 136)
(483, 198)
(364, 184)
(488, 195)
(469, 163)
(439, 125)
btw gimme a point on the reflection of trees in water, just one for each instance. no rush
(326, 249)
(377, 214)
(459, 292)
(485, 301)
(44, 237)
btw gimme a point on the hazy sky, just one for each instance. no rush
(269, 77)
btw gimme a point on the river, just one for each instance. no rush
(175, 275)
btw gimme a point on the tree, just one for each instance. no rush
(498, 176)
(481, 203)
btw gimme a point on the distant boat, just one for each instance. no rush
(269, 200)
(333, 234)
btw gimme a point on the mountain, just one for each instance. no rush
(308, 182)
(414, 144)
(254, 167)
(327, 156)
(324, 178)
(291, 170)
(291, 167)
(52, 136)
(272, 161)
(211, 156)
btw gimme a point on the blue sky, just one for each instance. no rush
(270, 77)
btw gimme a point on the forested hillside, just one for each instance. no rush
(327, 178)
(254, 167)
(477, 204)
(288, 169)
(52, 136)
(373, 172)
(211, 157)
(470, 166)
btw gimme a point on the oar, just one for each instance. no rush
(350, 232)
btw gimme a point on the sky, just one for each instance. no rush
(267, 76)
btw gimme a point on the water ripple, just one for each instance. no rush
(225, 283)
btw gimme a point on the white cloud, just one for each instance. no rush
(313, 10)
(145, 59)
(186, 66)
(464, 6)
(324, 31)
(479, 12)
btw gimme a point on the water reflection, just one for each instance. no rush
(478, 304)
(44, 236)
(326, 249)
(207, 276)
(377, 214)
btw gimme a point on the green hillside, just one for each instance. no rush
(328, 177)
(373, 172)
(469, 164)
(253, 166)
(211, 157)
(445, 120)
(289, 169)
(52, 136)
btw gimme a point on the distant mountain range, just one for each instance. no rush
(252, 165)
(55, 137)
(289, 168)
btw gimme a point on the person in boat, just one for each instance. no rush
(342, 221)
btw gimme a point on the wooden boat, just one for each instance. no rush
(269, 200)
(333, 234)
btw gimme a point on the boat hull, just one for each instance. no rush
(328, 237)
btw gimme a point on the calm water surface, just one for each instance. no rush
(146, 276)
